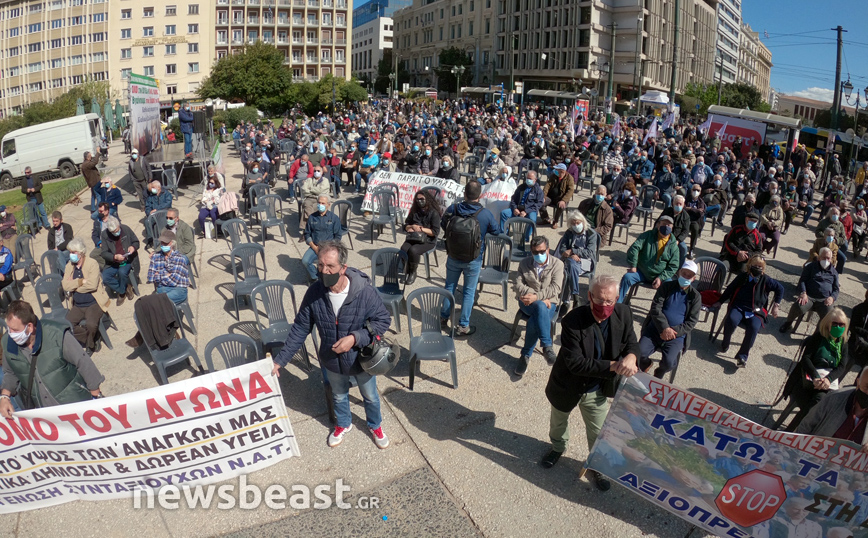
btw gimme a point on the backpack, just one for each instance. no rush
(463, 237)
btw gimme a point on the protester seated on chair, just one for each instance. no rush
(625, 204)
(840, 413)
(422, 227)
(741, 243)
(827, 240)
(833, 220)
(858, 341)
(119, 248)
(321, 226)
(818, 289)
(772, 222)
(448, 170)
(748, 296)
(157, 199)
(558, 192)
(681, 226)
(652, 258)
(169, 270)
(311, 190)
(526, 201)
(7, 259)
(578, 250)
(824, 364)
(89, 301)
(674, 313)
(537, 287)
(59, 235)
(210, 200)
(184, 242)
(599, 214)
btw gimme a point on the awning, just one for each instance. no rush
(479, 89)
(743, 113)
(423, 89)
(558, 95)
(655, 97)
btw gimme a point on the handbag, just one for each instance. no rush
(417, 238)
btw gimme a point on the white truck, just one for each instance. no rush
(52, 149)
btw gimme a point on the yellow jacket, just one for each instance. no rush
(90, 283)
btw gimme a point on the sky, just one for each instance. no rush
(803, 46)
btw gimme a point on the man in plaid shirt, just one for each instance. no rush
(168, 270)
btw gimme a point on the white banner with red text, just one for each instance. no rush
(197, 431)
(409, 185)
(731, 128)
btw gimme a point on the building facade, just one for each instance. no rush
(312, 34)
(169, 40)
(729, 24)
(373, 32)
(804, 108)
(49, 46)
(755, 62)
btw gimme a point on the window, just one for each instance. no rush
(193, 67)
(76, 40)
(148, 31)
(470, 28)
(192, 86)
(56, 23)
(56, 4)
(126, 33)
(192, 28)
(13, 32)
(34, 67)
(148, 12)
(35, 8)
(34, 87)
(8, 147)
(193, 9)
(170, 29)
(14, 71)
(76, 60)
(147, 52)
(171, 11)
(56, 43)
(97, 37)
(193, 48)
(57, 83)
(77, 79)
(97, 57)
(37, 27)
(126, 14)
(125, 73)
(57, 63)
(222, 35)
(171, 69)
(34, 47)
(171, 49)
(148, 70)
(75, 21)
(98, 17)
(171, 89)
(471, 5)
(126, 54)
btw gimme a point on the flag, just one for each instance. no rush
(652, 132)
(581, 127)
(667, 123)
(616, 129)
(722, 132)
(706, 125)
(766, 33)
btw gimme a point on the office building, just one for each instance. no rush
(728, 41)
(372, 34)
(312, 34)
(49, 46)
(169, 40)
(755, 62)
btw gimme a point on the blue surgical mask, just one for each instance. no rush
(256, 170)
(540, 258)
(170, 222)
(599, 198)
(834, 218)
(165, 248)
(73, 257)
(134, 157)
(829, 239)
(751, 225)
(677, 208)
(683, 282)
(321, 208)
(528, 182)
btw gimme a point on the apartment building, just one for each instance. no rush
(312, 34)
(169, 40)
(49, 46)
(755, 61)
(373, 32)
(729, 24)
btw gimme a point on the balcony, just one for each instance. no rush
(237, 2)
(283, 22)
(284, 3)
(299, 3)
(340, 42)
(341, 24)
(340, 61)
(282, 41)
(312, 3)
(222, 42)
(297, 78)
(268, 21)
(341, 4)
(326, 60)
(286, 61)
(222, 2)
(222, 22)
(327, 3)
(297, 41)
(326, 41)
(253, 21)
(312, 78)
(297, 22)
(313, 22)
(237, 41)
(269, 40)
(327, 23)
(253, 2)
(238, 22)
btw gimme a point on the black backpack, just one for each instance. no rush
(463, 237)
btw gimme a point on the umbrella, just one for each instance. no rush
(119, 115)
(79, 107)
(109, 115)
(94, 107)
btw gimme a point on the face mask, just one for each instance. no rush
(19, 338)
(170, 222)
(602, 312)
(694, 194)
(73, 257)
(248, 148)
(427, 152)
(775, 203)
(825, 264)
(677, 208)
(756, 271)
(860, 207)
(717, 183)
(751, 225)
(258, 159)
(329, 281)
(540, 258)
(683, 166)
(837, 332)
(528, 182)
(684, 282)
(415, 148)
(256, 170)
(834, 218)
(567, 161)
(134, 157)
(792, 187)
(165, 248)
(3, 214)
(212, 185)
(153, 191)
(577, 228)
(599, 198)
(829, 239)
(665, 230)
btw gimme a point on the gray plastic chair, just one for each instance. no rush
(253, 195)
(395, 189)
(234, 349)
(274, 324)
(388, 267)
(247, 254)
(495, 265)
(431, 343)
(384, 201)
(235, 231)
(24, 257)
(343, 209)
(178, 351)
(169, 181)
(31, 217)
(50, 288)
(648, 195)
(184, 310)
(520, 230)
(48, 262)
(270, 204)
(154, 226)
(711, 275)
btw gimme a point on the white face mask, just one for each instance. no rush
(577, 228)
(19, 338)
(823, 263)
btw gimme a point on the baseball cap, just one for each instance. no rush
(667, 218)
(560, 166)
(690, 265)
(167, 236)
(135, 151)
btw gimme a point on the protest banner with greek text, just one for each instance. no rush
(197, 431)
(409, 184)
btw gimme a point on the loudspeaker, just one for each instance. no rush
(200, 124)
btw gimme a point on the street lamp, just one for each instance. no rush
(599, 69)
(392, 82)
(848, 90)
(458, 71)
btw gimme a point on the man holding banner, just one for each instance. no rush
(598, 343)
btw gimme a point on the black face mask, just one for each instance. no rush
(756, 271)
(421, 202)
(328, 281)
(861, 399)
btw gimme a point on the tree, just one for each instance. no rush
(732, 95)
(454, 57)
(385, 67)
(254, 76)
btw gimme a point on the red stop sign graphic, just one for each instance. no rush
(751, 498)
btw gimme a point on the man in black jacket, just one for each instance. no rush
(31, 186)
(818, 289)
(680, 225)
(598, 342)
(674, 313)
(119, 248)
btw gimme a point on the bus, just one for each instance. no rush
(816, 139)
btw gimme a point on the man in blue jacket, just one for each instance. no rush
(185, 116)
(321, 226)
(526, 201)
(338, 305)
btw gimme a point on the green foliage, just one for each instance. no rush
(175, 127)
(732, 95)
(450, 57)
(386, 66)
(253, 76)
(234, 116)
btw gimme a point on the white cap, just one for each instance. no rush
(690, 265)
